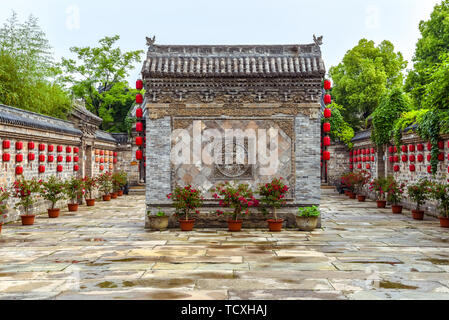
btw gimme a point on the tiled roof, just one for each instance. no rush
(105, 136)
(234, 61)
(362, 135)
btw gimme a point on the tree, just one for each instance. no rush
(429, 49)
(341, 130)
(100, 80)
(27, 70)
(363, 77)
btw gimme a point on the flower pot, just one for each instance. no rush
(1, 224)
(158, 223)
(306, 223)
(235, 225)
(114, 195)
(347, 193)
(107, 198)
(418, 214)
(90, 202)
(352, 195)
(275, 225)
(381, 204)
(120, 193)
(27, 220)
(361, 198)
(396, 209)
(53, 213)
(444, 222)
(73, 207)
(187, 225)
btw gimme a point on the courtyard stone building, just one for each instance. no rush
(196, 89)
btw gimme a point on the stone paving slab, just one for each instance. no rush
(104, 253)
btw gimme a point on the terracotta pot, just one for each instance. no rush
(187, 225)
(27, 220)
(444, 222)
(53, 213)
(381, 204)
(73, 207)
(361, 198)
(396, 209)
(275, 225)
(114, 195)
(158, 223)
(347, 193)
(352, 195)
(1, 224)
(235, 225)
(107, 198)
(418, 214)
(120, 193)
(90, 202)
(307, 223)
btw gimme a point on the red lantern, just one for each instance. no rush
(102, 153)
(429, 158)
(139, 84)
(76, 159)
(359, 166)
(420, 147)
(351, 153)
(373, 151)
(59, 168)
(60, 159)
(41, 169)
(51, 148)
(364, 151)
(359, 159)
(68, 149)
(412, 168)
(41, 147)
(391, 159)
(101, 160)
(51, 158)
(404, 149)
(6, 144)
(368, 166)
(420, 158)
(326, 141)
(327, 99)
(76, 150)
(429, 146)
(31, 145)
(139, 155)
(31, 157)
(351, 160)
(139, 127)
(6, 157)
(327, 85)
(68, 159)
(411, 148)
(326, 155)
(412, 158)
(139, 113)
(441, 157)
(19, 158)
(60, 148)
(351, 167)
(41, 158)
(76, 167)
(19, 145)
(429, 169)
(115, 161)
(391, 150)
(441, 144)
(139, 141)
(327, 127)
(19, 170)
(327, 113)
(396, 158)
(115, 154)
(396, 168)
(372, 158)
(139, 98)
(101, 168)
(395, 149)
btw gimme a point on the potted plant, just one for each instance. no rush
(361, 180)
(239, 197)
(4, 196)
(105, 183)
(24, 191)
(74, 191)
(119, 180)
(419, 194)
(394, 194)
(440, 192)
(307, 218)
(350, 179)
(186, 201)
(378, 185)
(272, 195)
(90, 185)
(122, 182)
(53, 191)
(159, 221)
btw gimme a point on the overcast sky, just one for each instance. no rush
(342, 22)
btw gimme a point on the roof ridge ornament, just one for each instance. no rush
(151, 42)
(318, 41)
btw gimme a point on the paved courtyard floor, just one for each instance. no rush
(104, 253)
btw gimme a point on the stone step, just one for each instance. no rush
(140, 190)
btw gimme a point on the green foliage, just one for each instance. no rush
(119, 180)
(429, 129)
(100, 80)
(395, 190)
(105, 183)
(309, 212)
(52, 190)
(406, 120)
(273, 195)
(392, 105)
(73, 188)
(440, 192)
(27, 71)
(379, 186)
(363, 77)
(429, 48)
(420, 192)
(24, 190)
(238, 197)
(341, 130)
(186, 200)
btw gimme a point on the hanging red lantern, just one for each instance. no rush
(102, 153)
(360, 159)
(68, 159)
(19, 170)
(6, 157)
(429, 157)
(368, 166)
(327, 99)
(411, 148)
(6, 144)
(441, 145)
(420, 158)
(31, 145)
(429, 169)
(326, 141)
(404, 149)
(404, 158)
(115, 154)
(327, 85)
(373, 151)
(412, 158)
(139, 84)
(351, 153)
(326, 155)
(139, 98)
(19, 158)
(51, 158)
(372, 158)
(60, 159)
(31, 157)
(101, 160)
(391, 150)
(76, 159)
(51, 148)
(364, 159)
(139, 113)
(395, 149)
(139, 141)
(359, 166)
(76, 150)
(19, 145)
(327, 113)
(412, 168)
(441, 157)
(420, 147)
(41, 158)
(429, 146)
(76, 167)
(68, 149)
(139, 155)
(139, 127)
(391, 159)
(41, 147)
(115, 161)
(351, 160)
(59, 168)
(364, 151)
(41, 169)
(101, 168)
(351, 167)
(396, 158)
(396, 168)
(60, 148)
